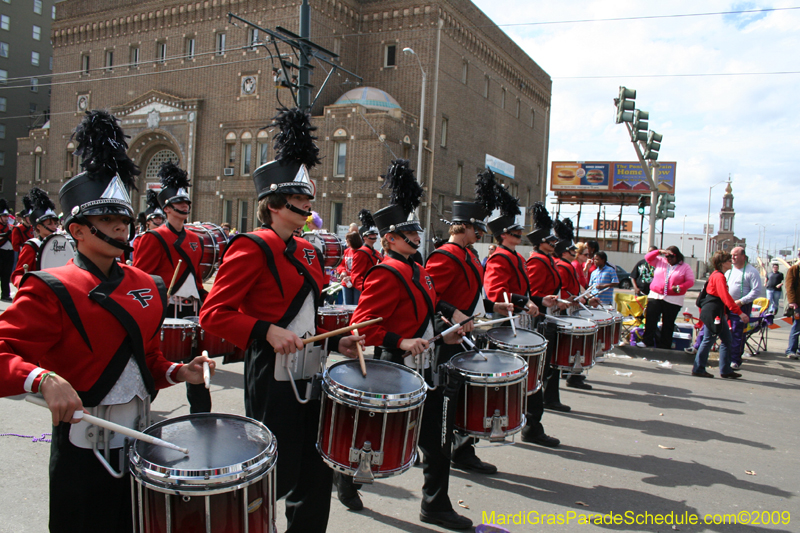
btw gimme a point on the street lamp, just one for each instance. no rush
(758, 246)
(410, 51)
(708, 217)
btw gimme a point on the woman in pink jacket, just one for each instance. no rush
(671, 279)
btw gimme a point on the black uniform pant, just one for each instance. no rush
(83, 495)
(6, 268)
(301, 476)
(198, 396)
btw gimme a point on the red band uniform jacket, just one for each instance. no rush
(92, 325)
(505, 273)
(157, 252)
(27, 256)
(363, 259)
(570, 285)
(20, 235)
(457, 275)
(543, 275)
(402, 292)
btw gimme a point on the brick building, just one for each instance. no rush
(25, 65)
(188, 84)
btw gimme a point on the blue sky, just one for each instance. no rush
(713, 126)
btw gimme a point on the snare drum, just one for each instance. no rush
(214, 243)
(369, 426)
(225, 485)
(575, 342)
(605, 327)
(333, 317)
(214, 345)
(491, 402)
(617, 331)
(528, 344)
(176, 338)
(329, 246)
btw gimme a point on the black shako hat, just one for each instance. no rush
(4, 207)
(153, 208)
(406, 193)
(542, 225)
(42, 207)
(368, 226)
(486, 200)
(174, 185)
(506, 220)
(102, 188)
(296, 154)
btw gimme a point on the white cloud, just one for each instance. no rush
(712, 125)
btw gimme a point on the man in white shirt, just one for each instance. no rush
(744, 286)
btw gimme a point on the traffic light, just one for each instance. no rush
(625, 105)
(653, 145)
(669, 205)
(639, 126)
(642, 204)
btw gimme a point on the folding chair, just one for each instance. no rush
(757, 330)
(632, 308)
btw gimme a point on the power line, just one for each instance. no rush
(699, 75)
(649, 17)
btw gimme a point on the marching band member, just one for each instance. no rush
(564, 253)
(545, 280)
(77, 365)
(45, 221)
(24, 230)
(506, 274)
(151, 218)
(6, 252)
(345, 270)
(402, 292)
(158, 252)
(458, 277)
(265, 299)
(365, 257)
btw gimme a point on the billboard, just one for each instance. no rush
(608, 177)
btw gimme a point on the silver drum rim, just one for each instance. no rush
(506, 378)
(377, 402)
(514, 348)
(204, 482)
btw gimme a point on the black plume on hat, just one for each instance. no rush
(152, 199)
(42, 207)
(406, 191)
(542, 224)
(294, 142)
(564, 229)
(28, 206)
(172, 176)
(486, 191)
(102, 145)
(3, 207)
(365, 216)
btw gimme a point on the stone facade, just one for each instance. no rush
(176, 92)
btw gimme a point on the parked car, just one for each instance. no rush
(624, 278)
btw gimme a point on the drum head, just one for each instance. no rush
(573, 323)
(224, 450)
(383, 378)
(178, 323)
(525, 341)
(489, 364)
(55, 251)
(332, 310)
(602, 318)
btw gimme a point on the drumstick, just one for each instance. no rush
(510, 312)
(450, 330)
(496, 321)
(471, 344)
(346, 329)
(174, 277)
(111, 426)
(360, 355)
(206, 371)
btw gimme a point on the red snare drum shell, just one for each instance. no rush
(214, 243)
(176, 339)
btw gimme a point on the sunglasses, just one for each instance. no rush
(669, 255)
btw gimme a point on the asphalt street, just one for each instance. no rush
(647, 443)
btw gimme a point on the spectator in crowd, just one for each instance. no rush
(715, 310)
(744, 282)
(226, 228)
(793, 299)
(492, 248)
(603, 277)
(774, 286)
(671, 279)
(581, 263)
(642, 275)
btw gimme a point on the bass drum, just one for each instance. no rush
(55, 251)
(214, 243)
(329, 246)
